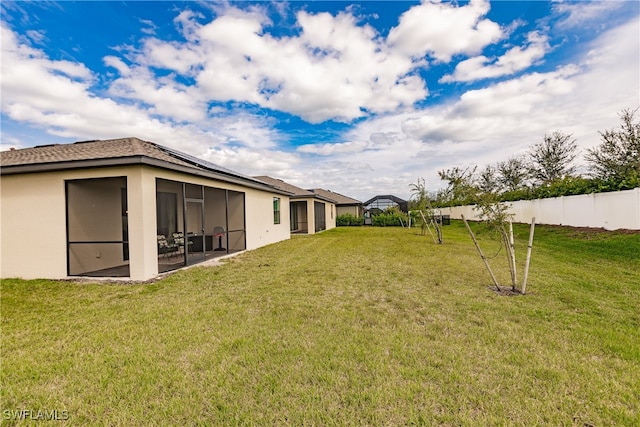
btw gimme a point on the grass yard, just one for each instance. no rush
(353, 326)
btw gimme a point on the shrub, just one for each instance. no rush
(389, 219)
(349, 220)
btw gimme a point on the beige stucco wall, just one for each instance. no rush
(32, 245)
(311, 217)
(33, 223)
(33, 219)
(143, 243)
(353, 210)
(260, 227)
(330, 215)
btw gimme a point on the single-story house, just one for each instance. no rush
(310, 212)
(344, 204)
(127, 208)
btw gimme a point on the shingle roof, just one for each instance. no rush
(278, 183)
(122, 151)
(338, 198)
(86, 150)
(298, 193)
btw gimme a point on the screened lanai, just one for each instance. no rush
(97, 227)
(299, 219)
(196, 223)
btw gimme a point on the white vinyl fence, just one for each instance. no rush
(611, 211)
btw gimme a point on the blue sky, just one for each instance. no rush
(361, 98)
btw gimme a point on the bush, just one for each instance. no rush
(349, 220)
(571, 186)
(389, 219)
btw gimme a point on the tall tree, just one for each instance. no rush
(553, 158)
(513, 173)
(487, 180)
(618, 156)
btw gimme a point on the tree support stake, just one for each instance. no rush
(486, 263)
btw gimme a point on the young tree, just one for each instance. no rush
(419, 194)
(460, 186)
(617, 158)
(552, 159)
(513, 173)
(420, 202)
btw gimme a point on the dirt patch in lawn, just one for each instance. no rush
(505, 291)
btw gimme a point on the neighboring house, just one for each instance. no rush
(379, 204)
(310, 212)
(127, 208)
(344, 204)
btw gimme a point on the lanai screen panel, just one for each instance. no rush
(215, 202)
(97, 227)
(320, 216)
(169, 207)
(199, 213)
(237, 234)
(299, 219)
(381, 204)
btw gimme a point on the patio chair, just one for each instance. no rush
(178, 239)
(165, 247)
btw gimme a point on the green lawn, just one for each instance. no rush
(353, 326)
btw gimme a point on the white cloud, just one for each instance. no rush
(318, 76)
(328, 149)
(514, 60)
(169, 55)
(149, 27)
(26, 73)
(252, 162)
(243, 129)
(37, 37)
(118, 64)
(442, 30)
(488, 125)
(57, 96)
(166, 97)
(584, 13)
(334, 69)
